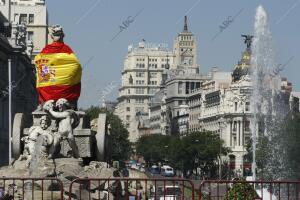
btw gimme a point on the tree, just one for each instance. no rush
(153, 148)
(241, 191)
(93, 112)
(202, 149)
(119, 145)
(198, 149)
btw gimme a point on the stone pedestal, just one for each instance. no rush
(84, 140)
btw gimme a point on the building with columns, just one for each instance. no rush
(223, 106)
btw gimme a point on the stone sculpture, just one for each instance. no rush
(37, 133)
(65, 119)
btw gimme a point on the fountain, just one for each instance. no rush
(269, 108)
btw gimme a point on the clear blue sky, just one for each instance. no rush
(91, 24)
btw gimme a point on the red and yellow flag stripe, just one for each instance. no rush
(58, 73)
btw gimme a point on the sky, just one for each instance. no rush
(92, 29)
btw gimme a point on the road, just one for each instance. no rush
(214, 190)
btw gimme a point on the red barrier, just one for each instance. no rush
(260, 190)
(31, 188)
(131, 189)
(152, 189)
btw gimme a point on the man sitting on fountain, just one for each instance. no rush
(67, 120)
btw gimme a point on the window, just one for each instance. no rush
(140, 65)
(127, 108)
(139, 90)
(128, 100)
(247, 125)
(139, 100)
(139, 82)
(247, 106)
(140, 74)
(127, 117)
(30, 35)
(234, 125)
(16, 17)
(31, 19)
(128, 91)
(153, 82)
(235, 106)
(23, 18)
(153, 74)
(152, 90)
(139, 109)
(180, 88)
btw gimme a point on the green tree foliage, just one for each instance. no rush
(93, 112)
(121, 148)
(198, 149)
(241, 191)
(154, 148)
(291, 142)
(119, 145)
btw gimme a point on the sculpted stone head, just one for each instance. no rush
(57, 33)
(62, 104)
(45, 122)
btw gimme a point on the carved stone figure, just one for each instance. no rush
(66, 119)
(38, 133)
(57, 33)
(21, 33)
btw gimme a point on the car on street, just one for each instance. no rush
(154, 169)
(167, 171)
(168, 192)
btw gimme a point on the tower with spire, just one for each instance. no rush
(185, 49)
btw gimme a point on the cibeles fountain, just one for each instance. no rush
(56, 140)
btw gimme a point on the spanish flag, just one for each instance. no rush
(58, 73)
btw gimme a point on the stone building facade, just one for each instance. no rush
(34, 14)
(24, 96)
(146, 69)
(141, 79)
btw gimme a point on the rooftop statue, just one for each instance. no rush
(248, 40)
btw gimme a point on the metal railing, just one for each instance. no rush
(244, 190)
(145, 188)
(31, 188)
(130, 188)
